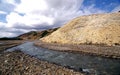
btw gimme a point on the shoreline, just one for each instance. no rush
(95, 50)
(6, 44)
(19, 63)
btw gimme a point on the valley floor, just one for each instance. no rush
(99, 50)
(5, 44)
(19, 63)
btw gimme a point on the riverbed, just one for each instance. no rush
(76, 61)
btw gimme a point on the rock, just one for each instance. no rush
(103, 29)
(6, 61)
(29, 66)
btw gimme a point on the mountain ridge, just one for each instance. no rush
(36, 35)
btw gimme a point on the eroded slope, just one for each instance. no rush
(92, 29)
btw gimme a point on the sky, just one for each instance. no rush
(21, 16)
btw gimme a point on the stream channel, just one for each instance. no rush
(78, 62)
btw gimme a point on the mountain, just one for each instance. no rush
(103, 29)
(10, 38)
(35, 35)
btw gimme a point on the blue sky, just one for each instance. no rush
(20, 16)
(107, 5)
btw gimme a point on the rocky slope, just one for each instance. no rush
(18, 63)
(34, 35)
(93, 29)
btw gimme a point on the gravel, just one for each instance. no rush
(18, 63)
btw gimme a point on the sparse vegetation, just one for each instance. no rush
(92, 29)
(35, 35)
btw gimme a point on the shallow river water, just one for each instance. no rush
(1, 43)
(78, 62)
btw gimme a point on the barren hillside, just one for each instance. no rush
(92, 29)
(34, 35)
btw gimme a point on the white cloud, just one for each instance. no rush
(87, 10)
(28, 20)
(2, 12)
(28, 6)
(2, 25)
(9, 2)
(6, 31)
(13, 18)
(3, 33)
(7, 34)
(41, 12)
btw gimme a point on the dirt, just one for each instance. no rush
(5, 44)
(90, 29)
(99, 50)
(18, 63)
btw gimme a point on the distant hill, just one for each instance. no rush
(91, 29)
(10, 38)
(35, 35)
